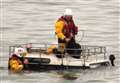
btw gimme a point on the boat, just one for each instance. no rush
(37, 58)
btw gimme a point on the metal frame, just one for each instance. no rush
(86, 50)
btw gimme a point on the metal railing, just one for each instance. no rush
(87, 50)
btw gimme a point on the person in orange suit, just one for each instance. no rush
(15, 64)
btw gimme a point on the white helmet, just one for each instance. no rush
(19, 50)
(68, 12)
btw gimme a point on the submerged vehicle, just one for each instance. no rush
(37, 56)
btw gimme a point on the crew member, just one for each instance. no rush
(65, 30)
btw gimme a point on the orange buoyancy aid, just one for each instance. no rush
(68, 27)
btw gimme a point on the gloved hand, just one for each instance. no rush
(67, 39)
(71, 35)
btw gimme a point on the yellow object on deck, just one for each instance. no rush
(50, 49)
(61, 47)
(24, 53)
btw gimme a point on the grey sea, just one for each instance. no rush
(32, 21)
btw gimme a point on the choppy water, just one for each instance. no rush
(24, 21)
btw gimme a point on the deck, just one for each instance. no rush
(91, 55)
(70, 61)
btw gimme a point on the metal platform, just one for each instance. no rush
(91, 55)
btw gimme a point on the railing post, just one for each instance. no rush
(88, 53)
(45, 46)
(101, 50)
(95, 53)
(40, 52)
(104, 52)
(13, 49)
(84, 60)
(62, 60)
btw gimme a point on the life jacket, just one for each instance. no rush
(15, 65)
(69, 27)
